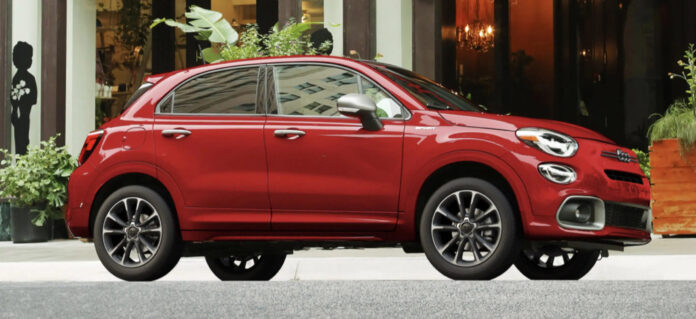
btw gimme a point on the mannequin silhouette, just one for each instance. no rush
(23, 95)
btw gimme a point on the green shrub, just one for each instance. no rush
(644, 161)
(37, 179)
(680, 119)
(678, 122)
(227, 44)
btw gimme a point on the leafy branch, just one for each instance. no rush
(227, 44)
(679, 121)
(37, 179)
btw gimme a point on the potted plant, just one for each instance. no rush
(227, 44)
(673, 159)
(36, 185)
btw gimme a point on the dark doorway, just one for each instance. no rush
(589, 69)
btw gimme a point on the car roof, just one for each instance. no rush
(255, 61)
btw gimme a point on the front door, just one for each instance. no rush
(209, 140)
(325, 172)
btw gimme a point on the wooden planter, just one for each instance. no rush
(673, 179)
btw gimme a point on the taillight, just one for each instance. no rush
(89, 146)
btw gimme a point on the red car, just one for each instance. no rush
(244, 162)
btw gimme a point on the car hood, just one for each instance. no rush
(513, 123)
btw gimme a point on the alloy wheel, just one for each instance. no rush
(132, 232)
(550, 257)
(466, 228)
(241, 263)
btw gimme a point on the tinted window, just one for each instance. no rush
(311, 90)
(386, 106)
(224, 92)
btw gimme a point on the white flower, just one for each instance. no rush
(22, 83)
(26, 90)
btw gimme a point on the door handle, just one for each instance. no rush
(181, 133)
(289, 134)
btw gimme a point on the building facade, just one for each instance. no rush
(68, 65)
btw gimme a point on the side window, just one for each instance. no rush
(311, 90)
(224, 92)
(386, 106)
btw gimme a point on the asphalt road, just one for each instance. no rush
(349, 299)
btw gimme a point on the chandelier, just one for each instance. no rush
(476, 36)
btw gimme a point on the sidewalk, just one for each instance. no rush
(663, 259)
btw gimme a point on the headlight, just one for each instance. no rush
(549, 142)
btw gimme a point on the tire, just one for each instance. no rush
(443, 237)
(154, 241)
(260, 267)
(573, 264)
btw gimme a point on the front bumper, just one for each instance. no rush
(601, 213)
(620, 186)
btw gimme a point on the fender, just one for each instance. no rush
(118, 169)
(413, 186)
(138, 167)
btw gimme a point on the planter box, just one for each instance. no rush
(673, 190)
(23, 231)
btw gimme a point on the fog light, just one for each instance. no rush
(559, 174)
(581, 212)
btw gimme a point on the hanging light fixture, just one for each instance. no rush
(477, 36)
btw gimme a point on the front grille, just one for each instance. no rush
(620, 215)
(624, 176)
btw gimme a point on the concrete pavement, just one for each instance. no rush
(663, 259)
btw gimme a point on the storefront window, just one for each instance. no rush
(313, 11)
(122, 48)
(238, 12)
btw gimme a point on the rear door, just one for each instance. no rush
(209, 139)
(326, 173)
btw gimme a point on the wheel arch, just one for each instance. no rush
(478, 165)
(128, 179)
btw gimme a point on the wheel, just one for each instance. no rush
(545, 264)
(468, 230)
(135, 235)
(248, 267)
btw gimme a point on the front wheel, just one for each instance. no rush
(556, 263)
(246, 267)
(468, 230)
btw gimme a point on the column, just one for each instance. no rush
(359, 28)
(5, 45)
(333, 21)
(80, 72)
(394, 32)
(53, 70)
(427, 38)
(26, 74)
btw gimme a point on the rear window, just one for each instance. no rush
(137, 94)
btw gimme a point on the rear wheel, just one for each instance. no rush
(468, 230)
(135, 235)
(556, 263)
(246, 267)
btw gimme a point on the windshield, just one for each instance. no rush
(431, 94)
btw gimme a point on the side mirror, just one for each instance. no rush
(362, 107)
